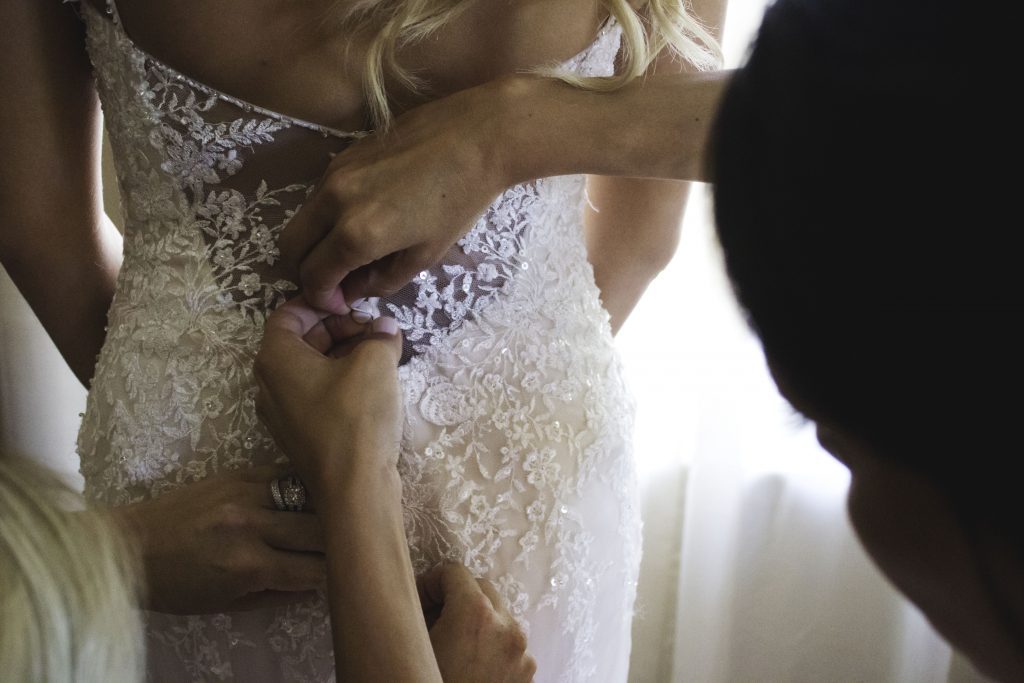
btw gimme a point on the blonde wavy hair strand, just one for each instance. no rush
(68, 586)
(646, 32)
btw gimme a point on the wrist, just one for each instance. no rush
(534, 136)
(356, 477)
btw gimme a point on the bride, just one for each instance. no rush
(378, 154)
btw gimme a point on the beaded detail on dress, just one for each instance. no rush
(516, 454)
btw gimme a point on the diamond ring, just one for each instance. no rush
(289, 494)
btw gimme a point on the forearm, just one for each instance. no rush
(69, 283)
(55, 242)
(379, 630)
(655, 127)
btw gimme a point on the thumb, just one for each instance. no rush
(446, 583)
(381, 336)
(385, 276)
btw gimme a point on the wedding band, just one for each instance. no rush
(293, 493)
(275, 493)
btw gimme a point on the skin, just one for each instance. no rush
(920, 541)
(53, 228)
(403, 196)
(308, 367)
(230, 549)
(49, 123)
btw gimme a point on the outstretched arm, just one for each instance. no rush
(389, 206)
(55, 241)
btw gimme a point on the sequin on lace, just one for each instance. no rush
(515, 459)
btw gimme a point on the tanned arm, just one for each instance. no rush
(56, 243)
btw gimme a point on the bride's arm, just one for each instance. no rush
(209, 546)
(632, 224)
(632, 228)
(55, 241)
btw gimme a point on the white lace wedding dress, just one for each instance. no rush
(516, 458)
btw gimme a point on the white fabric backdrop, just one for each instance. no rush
(750, 570)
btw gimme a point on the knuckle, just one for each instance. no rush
(231, 515)
(339, 185)
(529, 667)
(242, 565)
(311, 278)
(344, 240)
(255, 573)
(516, 641)
(479, 612)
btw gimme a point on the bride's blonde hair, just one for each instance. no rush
(68, 586)
(655, 26)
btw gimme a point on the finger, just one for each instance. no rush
(283, 351)
(255, 492)
(527, 668)
(428, 585)
(383, 335)
(262, 474)
(294, 318)
(319, 338)
(323, 269)
(488, 589)
(293, 571)
(455, 583)
(344, 327)
(387, 275)
(297, 531)
(304, 230)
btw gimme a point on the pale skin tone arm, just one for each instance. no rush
(56, 243)
(633, 234)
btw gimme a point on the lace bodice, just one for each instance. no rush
(515, 458)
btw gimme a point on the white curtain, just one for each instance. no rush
(40, 399)
(750, 570)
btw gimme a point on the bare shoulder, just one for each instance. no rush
(293, 56)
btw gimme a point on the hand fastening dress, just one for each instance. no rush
(516, 456)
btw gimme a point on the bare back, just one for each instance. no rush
(515, 458)
(290, 56)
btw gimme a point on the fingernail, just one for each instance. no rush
(361, 316)
(385, 325)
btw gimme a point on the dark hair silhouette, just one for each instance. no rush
(869, 233)
(865, 235)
